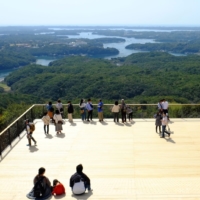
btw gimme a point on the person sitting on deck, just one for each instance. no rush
(42, 186)
(79, 181)
(58, 188)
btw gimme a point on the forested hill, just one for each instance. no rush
(143, 74)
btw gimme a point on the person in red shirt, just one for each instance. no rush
(58, 188)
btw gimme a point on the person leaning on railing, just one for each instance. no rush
(50, 110)
(82, 106)
(123, 111)
(70, 110)
(59, 107)
(89, 108)
(100, 110)
(115, 111)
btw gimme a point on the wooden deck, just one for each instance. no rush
(123, 161)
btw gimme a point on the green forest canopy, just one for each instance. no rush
(144, 74)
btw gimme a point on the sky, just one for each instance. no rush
(100, 12)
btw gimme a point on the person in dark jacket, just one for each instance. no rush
(70, 110)
(79, 181)
(123, 111)
(46, 185)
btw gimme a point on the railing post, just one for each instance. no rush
(9, 136)
(32, 114)
(17, 128)
(42, 110)
(0, 146)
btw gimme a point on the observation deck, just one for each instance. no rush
(124, 161)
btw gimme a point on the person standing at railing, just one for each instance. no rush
(82, 106)
(58, 121)
(165, 106)
(59, 106)
(115, 111)
(50, 109)
(100, 110)
(70, 110)
(46, 120)
(164, 124)
(129, 112)
(160, 106)
(29, 133)
(89, 108)
(123, 111)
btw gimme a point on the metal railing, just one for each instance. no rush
(36, 111)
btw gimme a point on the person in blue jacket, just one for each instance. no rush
(100, 110)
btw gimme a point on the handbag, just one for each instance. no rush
(60, 122)
(81, 111)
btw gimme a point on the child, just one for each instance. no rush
(158, 121)
(129, 112)
(58, 188)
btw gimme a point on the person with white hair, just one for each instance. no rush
(123, 110)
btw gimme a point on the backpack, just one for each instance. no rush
(32, 127)
(39, 188)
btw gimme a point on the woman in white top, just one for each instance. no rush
(58, 121)
(46, 119)
(115, 110)
(83, 109)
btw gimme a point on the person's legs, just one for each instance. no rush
(31, 137)
(117, 114)
(131, 116)
(48, 129)
(99, 116)
(70, 117)
(160, 129)
(156, 128)
(163, 130)
(88, 115)
(114, 116)
(124, 117)
(122, 113)
(82, 116)
(45, 129)
(167, 133)
(91, 112)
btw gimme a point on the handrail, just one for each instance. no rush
(135, 104)
(16, 120)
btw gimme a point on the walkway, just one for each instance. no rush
(124, 162)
